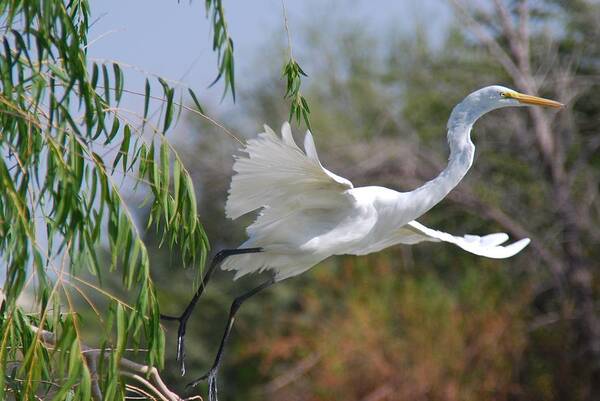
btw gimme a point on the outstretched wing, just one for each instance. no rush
(300, 201)
(277, 175)
(488, 245)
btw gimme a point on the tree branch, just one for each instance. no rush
(520, 71)
(130, 369)
(493, 46)
(293, 374)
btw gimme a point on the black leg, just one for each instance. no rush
(212, 373)
(183, 318)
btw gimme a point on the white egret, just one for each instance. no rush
(308, 213)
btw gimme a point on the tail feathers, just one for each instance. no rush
(283, 266)
(245, 264)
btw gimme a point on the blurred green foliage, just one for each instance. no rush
(427, 322)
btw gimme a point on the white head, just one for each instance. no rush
(494, 97)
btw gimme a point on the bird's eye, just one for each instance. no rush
(503, 94)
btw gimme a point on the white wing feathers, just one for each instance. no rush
(277, 170)
(298, 199)
(302, 202)
(488, 245)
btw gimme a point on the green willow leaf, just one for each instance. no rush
(196, 102)
(58, 130)
(124, 149)
(118, 82)
(146, 99)
(106, 83)
(94, 80)
(168, 110)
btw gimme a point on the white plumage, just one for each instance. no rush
(307, 213)
(300, 202)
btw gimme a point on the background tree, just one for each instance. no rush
(409, 323)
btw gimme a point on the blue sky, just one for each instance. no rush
(174, 40)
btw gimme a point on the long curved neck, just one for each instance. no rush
(462, 152)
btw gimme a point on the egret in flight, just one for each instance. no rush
(308, 213)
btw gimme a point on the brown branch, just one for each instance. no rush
(507, 25)
(519, 71)
(488, 40)
(145, 375)
(474, 204)
(293, 374)
(380, 393)
(146, 384)
(523, 10)
(143, 394)
(518, 39)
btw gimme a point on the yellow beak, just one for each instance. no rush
(539, 101)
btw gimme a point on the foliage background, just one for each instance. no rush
(427, 322)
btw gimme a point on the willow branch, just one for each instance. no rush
(148, 376)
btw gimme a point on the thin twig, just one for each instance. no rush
(287, 29)
(297, 371)
(146, 375)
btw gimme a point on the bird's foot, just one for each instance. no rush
(211, 377)
(182, 320)
(181, 355)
